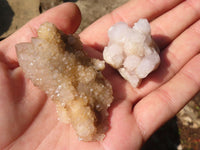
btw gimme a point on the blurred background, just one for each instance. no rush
(180, 133)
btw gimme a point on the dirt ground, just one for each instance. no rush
(180, 133)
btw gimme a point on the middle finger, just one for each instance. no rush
(168, 26)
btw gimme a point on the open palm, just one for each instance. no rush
(28, 118)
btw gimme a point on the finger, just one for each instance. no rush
(168, 26)
(173, 58)
(66, 17)
(96, 34)
(165, 102)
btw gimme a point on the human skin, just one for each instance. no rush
(28, 117)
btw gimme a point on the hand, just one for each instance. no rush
(28, 118)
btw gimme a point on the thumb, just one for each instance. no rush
(66, 17)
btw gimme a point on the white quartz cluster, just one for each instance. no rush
(132, 51)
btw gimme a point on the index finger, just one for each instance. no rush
(129, 13)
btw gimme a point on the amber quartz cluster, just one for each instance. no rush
(56, 63)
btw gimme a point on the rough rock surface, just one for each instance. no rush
(47, 4)
(15, 13)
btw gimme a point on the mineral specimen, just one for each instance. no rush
(56, 63)
(132, 51)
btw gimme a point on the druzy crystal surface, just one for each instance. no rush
(56, 63)
(132, 51)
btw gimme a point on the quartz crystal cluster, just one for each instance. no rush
(56, 63)
(132, 51)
